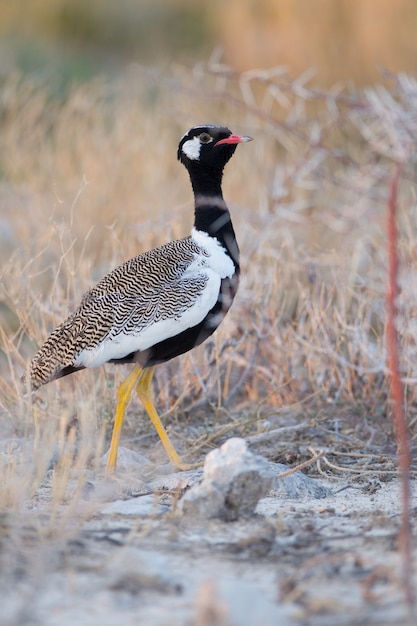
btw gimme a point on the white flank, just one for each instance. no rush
(216, 266)
(191, 148)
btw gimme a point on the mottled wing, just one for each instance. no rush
(150, 291)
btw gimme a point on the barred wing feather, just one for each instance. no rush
(149, 298)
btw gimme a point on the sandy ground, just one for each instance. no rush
(122, 552)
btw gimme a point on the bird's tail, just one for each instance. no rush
(55, 358)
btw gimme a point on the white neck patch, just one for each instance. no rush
(191, 149)
(218, 259)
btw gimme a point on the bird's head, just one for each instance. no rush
(209, 146)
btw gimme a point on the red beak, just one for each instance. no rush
(234, 139)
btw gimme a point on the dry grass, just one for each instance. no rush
(91, 181)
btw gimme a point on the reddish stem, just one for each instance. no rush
(396, 389)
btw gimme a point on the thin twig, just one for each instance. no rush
(301, 466)
(353, 470)
(396, 390)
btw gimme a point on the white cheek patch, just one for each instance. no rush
(191, 149)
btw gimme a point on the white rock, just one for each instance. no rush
(234, 479)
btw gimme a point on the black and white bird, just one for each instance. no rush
(159, 304)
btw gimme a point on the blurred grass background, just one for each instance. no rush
(346, 40)
(93, 99)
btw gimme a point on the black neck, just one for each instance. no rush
(211, 213)
(212, 216)
(205, 181)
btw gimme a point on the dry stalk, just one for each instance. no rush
(301, 466)
(403, 445)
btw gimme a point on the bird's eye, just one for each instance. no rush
(205, 138)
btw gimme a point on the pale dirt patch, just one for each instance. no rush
(104, 556)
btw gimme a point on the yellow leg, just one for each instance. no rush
(143, 390)
(123, 397)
